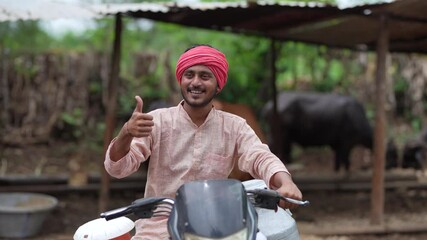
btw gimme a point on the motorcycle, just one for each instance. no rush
(214, 209)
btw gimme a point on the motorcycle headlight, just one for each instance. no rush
(240, 235)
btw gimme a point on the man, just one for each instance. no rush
(192, 141)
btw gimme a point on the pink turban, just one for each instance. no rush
(207, 56)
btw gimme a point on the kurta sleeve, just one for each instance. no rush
(255, 157)
(138, 153)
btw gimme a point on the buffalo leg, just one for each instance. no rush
(342, 155)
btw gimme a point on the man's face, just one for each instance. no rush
(198, 86)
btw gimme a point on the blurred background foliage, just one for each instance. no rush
(299, 66)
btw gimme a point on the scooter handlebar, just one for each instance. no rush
(116, 213)
(269, 199)
(142, 208)
(148, 207)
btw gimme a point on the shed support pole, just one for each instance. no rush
(110, 117)
(377, 197)
(275, 126)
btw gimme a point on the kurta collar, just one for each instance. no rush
(184, 113)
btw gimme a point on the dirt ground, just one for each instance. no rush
(330, 210)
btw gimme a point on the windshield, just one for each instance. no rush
(211, 209)
(242, 234)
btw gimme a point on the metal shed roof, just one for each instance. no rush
(353, 28)
(241, 17)
(359, 27)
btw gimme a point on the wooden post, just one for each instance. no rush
(275, 126)
(5, 86)
(110, 117)
(377, 197)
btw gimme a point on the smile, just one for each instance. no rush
(196, 91)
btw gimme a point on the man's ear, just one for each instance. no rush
(217, 90)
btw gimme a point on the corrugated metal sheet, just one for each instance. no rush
(353, 28)
(197, 6)
(50, 9)
(304, 22)
(292, 4)
(343, 4)
(112, 9)
(203, 6)
(246, 16)
(357, 28)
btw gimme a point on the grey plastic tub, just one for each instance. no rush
(23, 214)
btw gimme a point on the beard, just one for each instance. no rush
(197, 103)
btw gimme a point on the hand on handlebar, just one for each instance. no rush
(269, 199)
(284, 185)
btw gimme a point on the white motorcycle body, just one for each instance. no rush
(272, 224)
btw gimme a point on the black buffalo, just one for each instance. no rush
(415, 152)
(391, 155)
(317, 119)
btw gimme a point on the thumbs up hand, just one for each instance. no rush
(140, 124)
